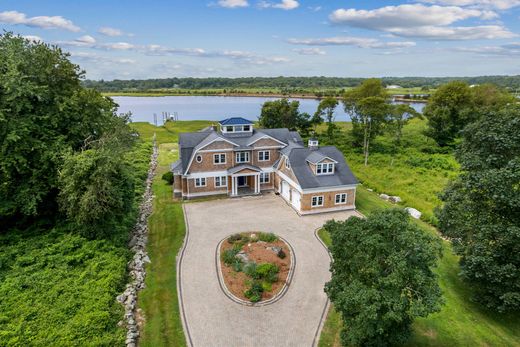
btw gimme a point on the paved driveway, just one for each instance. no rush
(210, 317)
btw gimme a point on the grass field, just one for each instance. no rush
(459, 323)
(159, 301)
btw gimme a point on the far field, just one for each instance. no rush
(416, 172)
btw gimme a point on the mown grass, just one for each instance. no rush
(460, 322)
(159, 301)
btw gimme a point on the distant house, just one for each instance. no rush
(393, 86)
(238, 160)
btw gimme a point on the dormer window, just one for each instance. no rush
(324, 168)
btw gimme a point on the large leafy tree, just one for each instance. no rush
(382, 277)
(283, 113)
(399, 116)
(369, 111)
(481, 210)
(325, 110)
(44, 113)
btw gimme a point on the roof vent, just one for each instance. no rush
(313, 144)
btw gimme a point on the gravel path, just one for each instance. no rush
(210, 318)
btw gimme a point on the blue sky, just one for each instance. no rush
(235, 38)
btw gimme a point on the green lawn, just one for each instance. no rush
(459, 323)
(159, 301)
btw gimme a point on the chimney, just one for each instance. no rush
(313, 144)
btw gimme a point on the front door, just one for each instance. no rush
(242, 181)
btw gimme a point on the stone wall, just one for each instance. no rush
(136, 266)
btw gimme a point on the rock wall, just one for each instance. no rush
(136, 266)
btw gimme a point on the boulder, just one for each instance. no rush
(243, 257)
(413, 212)
(395, 199)
(384, 196)
(370, 190)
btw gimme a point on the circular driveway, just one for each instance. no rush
(210, 318)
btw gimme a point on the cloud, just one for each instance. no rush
(361, 42)
(496, 4)
(507, 50)
(44, 22)
(309, 51)
(284, 4)
(83, 41)
(32, 38)
(233, 3)
(100, 59)
(420, 21)
(315, 8)
(112, 32)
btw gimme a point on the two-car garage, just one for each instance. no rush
(290, 195)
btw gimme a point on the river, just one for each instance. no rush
(213, 108)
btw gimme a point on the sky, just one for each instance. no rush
(239, 38)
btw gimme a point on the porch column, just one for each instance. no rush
(234, 186)
(257, 185)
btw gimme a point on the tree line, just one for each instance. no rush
(288, 83)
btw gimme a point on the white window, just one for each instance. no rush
(219, 158)
(229, 129)
(242, 157)
(264, 155)
(247, 128)
(221, 181)
(264, 177)
(287, 164)
(199, 158)
(341, 199)
(200, 182)
(324, 168)
(317, 201)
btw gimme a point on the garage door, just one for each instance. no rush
(296, 199)
(285, 190)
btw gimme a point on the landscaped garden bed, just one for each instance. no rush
(255, 266)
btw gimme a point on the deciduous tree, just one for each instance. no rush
(326, 109)
(382, 277)
(481, 209)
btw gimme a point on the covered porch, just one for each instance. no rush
(244, 180)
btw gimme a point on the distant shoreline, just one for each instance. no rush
(243, 95)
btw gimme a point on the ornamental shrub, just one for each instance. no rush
(254, 294)
(267, 237)
(267, 272)
(229, 256)
(168, 177)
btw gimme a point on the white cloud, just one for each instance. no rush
(100, 59)
(108, 31)
(404, 16)
(233, 3)
(420, 21)
(310, 51)
(284, 4)
(86, 39)
(507, 50)
(44, 22)
(32, 38)
(497, 4)
(361, 42)
(315, 8)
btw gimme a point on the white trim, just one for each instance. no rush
(219, 154)
(329, 158)
(246, 161)
(177, 191)
(268, 177)
(265, 136)
(317, 197)
(336, 199)
(328, 189)
(206, 174)
(267, 169)
(268, 147)
(321, 167)
(197, 151)
(290, 181)
(220, 181)
(264, 151)
(220, 138)
(200, 180)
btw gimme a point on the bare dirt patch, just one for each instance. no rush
(251, 250)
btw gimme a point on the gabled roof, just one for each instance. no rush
(241, 167)
(235, 121)
(212, 137)
(306, 177)
(316, 157)
(287, 150)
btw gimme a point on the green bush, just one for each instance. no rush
(267, 237)
(234, 238)
(168, 177)
(281, 254)
(237, 265)
(250, 269)
(229, 256)
(254, 294)
(267, 287)
(267, 272)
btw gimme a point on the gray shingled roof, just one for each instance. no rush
(316, 156)
(188, 142)
(287, 150)
(307, 179)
